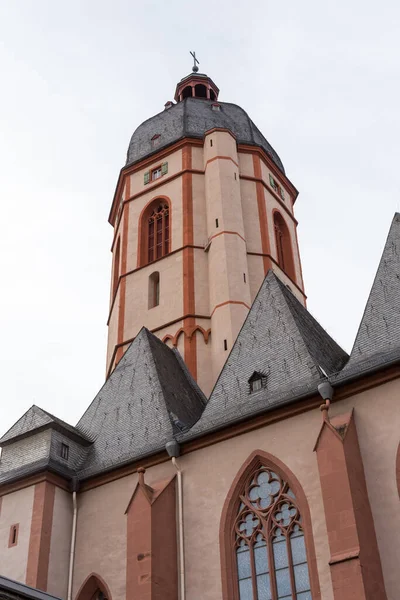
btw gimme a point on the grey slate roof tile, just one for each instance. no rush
(281, 340)
(192, 118)
(378, 337)
(146, 401)
(35, 418)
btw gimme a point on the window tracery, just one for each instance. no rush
(269, 541)
(158, 232)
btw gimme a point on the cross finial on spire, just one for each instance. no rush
(195, 68)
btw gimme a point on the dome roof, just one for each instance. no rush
(192, 117)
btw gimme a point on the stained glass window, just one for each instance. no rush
(269, 541)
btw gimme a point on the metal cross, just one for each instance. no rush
(195, 68)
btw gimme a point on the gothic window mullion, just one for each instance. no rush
(291, 569)
(253, 571)
(274, 591)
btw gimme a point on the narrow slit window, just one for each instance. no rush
(244, 277)
(211, 143)
(13, 536)
(225, 345)
(216, 223)
(154, 289)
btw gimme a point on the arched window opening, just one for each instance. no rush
(212, 95)
(283, 246)
(200, 91)
(154, 289)
(158, 232)
(116, 267)
(269, 542)
(94, 588)
(187, 92)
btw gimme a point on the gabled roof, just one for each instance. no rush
(36, 419)
(378, 337)
(146, 401)
(282, 341)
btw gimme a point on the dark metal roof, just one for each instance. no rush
(192, 118)
(14, 590)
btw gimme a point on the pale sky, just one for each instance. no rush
(320, 79)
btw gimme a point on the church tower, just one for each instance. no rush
(202, 210)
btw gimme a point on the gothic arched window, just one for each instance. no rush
(283, 246)
(154, 232)
(265, 537)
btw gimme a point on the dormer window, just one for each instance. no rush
(215, 106)
(155, 140)
(257, 381)
(64, 452)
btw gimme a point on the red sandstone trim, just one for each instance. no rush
(288, 268)
(229, 302)
(144, 266)
(40, 536)
(228, 564)
(14, 527)
(122, 287)
(189, 332)
(228, 233)
(262, 214)
(252, 424)
(92, 584)
(221, 157)
(146, 162)
(278, 265)
(260, 180)
(190, 347)
(398, 469)
(220, 129)
(269, 163)
(355, 560)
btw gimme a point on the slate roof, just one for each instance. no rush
(35, 419)
(192, 118)
(282, 341)
(148, 399)
(378, 338)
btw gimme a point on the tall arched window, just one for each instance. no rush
(158, 232)
(116, 267)
(154, 228)
(264, 547)
(283, 246)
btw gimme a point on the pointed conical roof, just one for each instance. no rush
(282, 343)
(36, 419)
(146, 401)
(378, 338)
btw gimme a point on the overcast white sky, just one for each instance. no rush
(321, 81)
